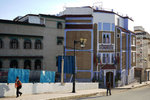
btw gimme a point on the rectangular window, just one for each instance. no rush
(134, 57)
(104, 60)
(60, 40)
(99, 58)
(112, 58)
(133, 41)
(107, 58)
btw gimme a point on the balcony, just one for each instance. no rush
(106, 47)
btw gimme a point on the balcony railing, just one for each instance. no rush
(106, 47)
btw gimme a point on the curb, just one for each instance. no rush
(79, 96)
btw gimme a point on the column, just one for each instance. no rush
(104, 78)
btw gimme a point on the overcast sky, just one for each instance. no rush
(137, 9)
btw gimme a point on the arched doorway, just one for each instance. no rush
(109, 78)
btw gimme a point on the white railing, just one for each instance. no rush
(106, 47)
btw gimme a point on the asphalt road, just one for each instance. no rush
(142, 93)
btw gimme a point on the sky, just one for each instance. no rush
(137, 9)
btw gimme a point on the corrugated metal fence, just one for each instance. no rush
(26, 76)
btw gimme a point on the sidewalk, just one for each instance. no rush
(60, 95)
(69, 95)
(134, 85)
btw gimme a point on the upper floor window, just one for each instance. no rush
(14, 44)
(38, 65)
(27, 64)
(133, 43)
(134, 57)
(104, 58)
(1, 64)
(38, 44)
(59, 25)
(1, 43)
(27, 44)
(60, 40)
(112, 58)
(13, 64)
(107, 58)
(106, 38)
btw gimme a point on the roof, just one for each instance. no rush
(108, 66)
(77, 16)
(51, 16)
(20, 23)
(124, 30)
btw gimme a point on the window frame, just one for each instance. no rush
(26, 66)
(104, 41)
(14, 63)
(60, 39)
(27, 44)
(36, 64)
(38, 44)
(1, 43)
(14, 44)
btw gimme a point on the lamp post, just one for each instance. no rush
(82, 44)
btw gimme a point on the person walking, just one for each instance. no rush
(18, 86)
(108, 85)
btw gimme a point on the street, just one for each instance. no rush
(142, 93)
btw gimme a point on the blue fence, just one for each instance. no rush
(26, 76)
(68, 64)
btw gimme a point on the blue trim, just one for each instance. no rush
(99, 26)
(91, 50)
(130, 51)
(83, 70)
(78, 50)
(113, 27)
(104, 81)
(106, 26)
(78, 23)
(91, 55)
(126, 54)
(126, 23)
(78, 30)
(120, 50)
(79, 18)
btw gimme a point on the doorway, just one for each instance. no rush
(109, 78)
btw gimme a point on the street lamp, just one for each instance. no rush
(82, 44)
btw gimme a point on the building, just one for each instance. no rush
(109, 48)
(143, 54)
(31, 42)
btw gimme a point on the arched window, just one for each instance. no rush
(1, 64)
(27, 44)
(27, 64)
(38, 65)
(1, 43)
(14, 44)
(59, 25)
(38, 44)
(13, 64)
(104, 39)
(107, 39)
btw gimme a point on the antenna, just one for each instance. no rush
(98, 5)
